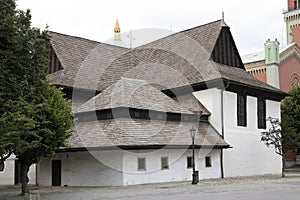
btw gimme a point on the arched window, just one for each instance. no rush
(295, 80)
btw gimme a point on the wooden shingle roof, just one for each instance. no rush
(178, 60)
(142, 132)
(204, 35)
(75, 54)
(133, 93)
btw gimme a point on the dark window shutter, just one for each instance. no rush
(261, 113)
(241, 110)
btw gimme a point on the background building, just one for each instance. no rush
(292, 20)
(280, 66)
(275, 65)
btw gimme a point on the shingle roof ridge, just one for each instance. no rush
(86, 39)
(133, 79)
(201, 26)
(78, 37)
(176, 33)
(90, 40)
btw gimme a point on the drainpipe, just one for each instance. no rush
(222, 126)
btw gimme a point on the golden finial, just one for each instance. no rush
(117, 27)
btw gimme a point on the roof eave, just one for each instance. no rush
(250, 90)
(140, 147)
(221, 84)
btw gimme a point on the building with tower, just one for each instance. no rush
(292, 20)
(275, 65)
(280, 66)
(152, 113)
(272, 61)
(136, 107)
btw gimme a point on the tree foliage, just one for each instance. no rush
(37, 128)
(290, 117)
(273, 136)
(35, 119)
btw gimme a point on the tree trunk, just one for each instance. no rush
(24, 177)
(283, 166)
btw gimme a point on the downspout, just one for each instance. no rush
(222, 127)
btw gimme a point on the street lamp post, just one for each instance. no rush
(195, 179)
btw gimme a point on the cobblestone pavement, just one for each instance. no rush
(261, 187)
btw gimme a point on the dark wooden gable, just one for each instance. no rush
(225, 51)
(53, 63)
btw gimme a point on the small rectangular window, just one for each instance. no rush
(164, 163)
(141, 164)
(189, 161)
(208, 161)
(108, 115)
(185, 118)
(241, 110)
(137, 114)
(261, 113)
(159, 116)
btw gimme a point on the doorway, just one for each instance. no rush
(17, 172)
(56, 172)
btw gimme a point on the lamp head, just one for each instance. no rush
(193, 132)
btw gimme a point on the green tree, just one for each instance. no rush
(290, 117)
(273, 138)
(35, 119)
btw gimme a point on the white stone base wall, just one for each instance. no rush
(84, 169)
(177, 171)
(118, 168)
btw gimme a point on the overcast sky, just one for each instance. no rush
(252, 22)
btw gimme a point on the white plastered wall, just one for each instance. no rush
(211, 99)
(248, 156)
(177, 171)
(116, 168)
(7, 176)
(84, 169)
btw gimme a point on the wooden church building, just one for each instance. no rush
(135, 109)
